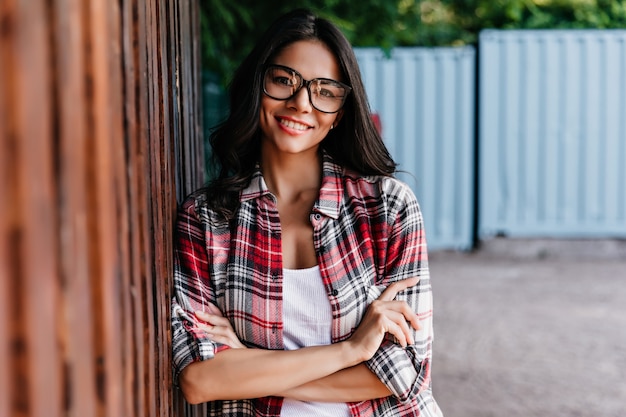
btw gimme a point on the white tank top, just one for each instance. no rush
(307, 318)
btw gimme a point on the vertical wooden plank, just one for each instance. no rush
(197, 113)
(134, 82)
(7, 191)
(133, 366)
(184, 45)
(150, 378)
(172, 64)
(14, 394)
(174, 179)
(36, 229)
(160, 132)
(74, 239)
(6, 274)
(194, 113)
(104, 258)
(123, 169)
(184, 142)
(37, 284)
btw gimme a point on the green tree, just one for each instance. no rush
(229, 29)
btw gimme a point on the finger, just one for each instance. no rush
(401, 326)
(210, 317)
(221, 332)
(220, 339)
(225, 337)
(409, 315)
(205, 327)
(202, 315)
(393, 289)
(395, 329)
(217, 333)
(217, 320)
(213, 309)
(390, 318)
(400, 307)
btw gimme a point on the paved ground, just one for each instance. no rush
(531, 328)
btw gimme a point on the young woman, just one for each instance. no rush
(301, 275)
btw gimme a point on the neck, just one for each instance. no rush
(289, 175)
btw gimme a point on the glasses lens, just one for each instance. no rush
(327, 95)
(280, 83)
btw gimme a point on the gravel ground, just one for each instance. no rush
(531, 328)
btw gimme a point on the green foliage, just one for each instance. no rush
(229, 29)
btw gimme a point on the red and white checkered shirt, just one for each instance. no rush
(367, 232)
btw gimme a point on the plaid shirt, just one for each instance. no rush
(367, 233)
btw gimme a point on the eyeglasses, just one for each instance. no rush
(325, 95)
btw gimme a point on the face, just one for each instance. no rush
(294, 126)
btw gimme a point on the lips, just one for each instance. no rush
(292, 124)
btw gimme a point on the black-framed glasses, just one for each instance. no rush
(325, 95)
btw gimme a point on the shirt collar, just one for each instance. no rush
(329, 199)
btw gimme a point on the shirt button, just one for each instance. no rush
(274, 276)
(334, 292)
(317, 216)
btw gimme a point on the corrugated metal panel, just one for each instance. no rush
(426, 102)
(553, 133)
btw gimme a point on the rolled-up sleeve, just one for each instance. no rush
(192, 292)
(406, 371)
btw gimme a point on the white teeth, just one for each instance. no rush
(293, 125)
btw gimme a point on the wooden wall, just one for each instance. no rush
(100, 135)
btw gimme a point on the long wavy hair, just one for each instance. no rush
(236, 143)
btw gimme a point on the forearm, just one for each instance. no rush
(251, 373)
(353, 384)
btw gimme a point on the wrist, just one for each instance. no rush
(353, 353)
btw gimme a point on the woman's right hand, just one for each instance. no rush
(218, 328)
(386, 315)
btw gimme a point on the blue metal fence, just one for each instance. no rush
(425, 99)
(551, 156)
(552, 133)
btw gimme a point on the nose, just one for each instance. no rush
(301, 101)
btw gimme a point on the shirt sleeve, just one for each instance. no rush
(406, 371)
(192, 292)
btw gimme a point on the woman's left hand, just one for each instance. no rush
(218, 328)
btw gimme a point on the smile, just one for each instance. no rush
(293, 125)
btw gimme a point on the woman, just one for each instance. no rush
(301, 277)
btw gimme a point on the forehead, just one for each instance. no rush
(312, 59)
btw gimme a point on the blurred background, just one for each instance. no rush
(508, 120)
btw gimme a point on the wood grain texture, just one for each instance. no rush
(98, 111)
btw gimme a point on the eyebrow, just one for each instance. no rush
(303, 77)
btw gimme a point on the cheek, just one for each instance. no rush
(265, 113)
(268, 105)
(329, 120)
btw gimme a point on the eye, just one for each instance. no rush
(328, 90)
(282, 77)
(282, 80)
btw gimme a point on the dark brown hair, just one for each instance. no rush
(236, 143)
